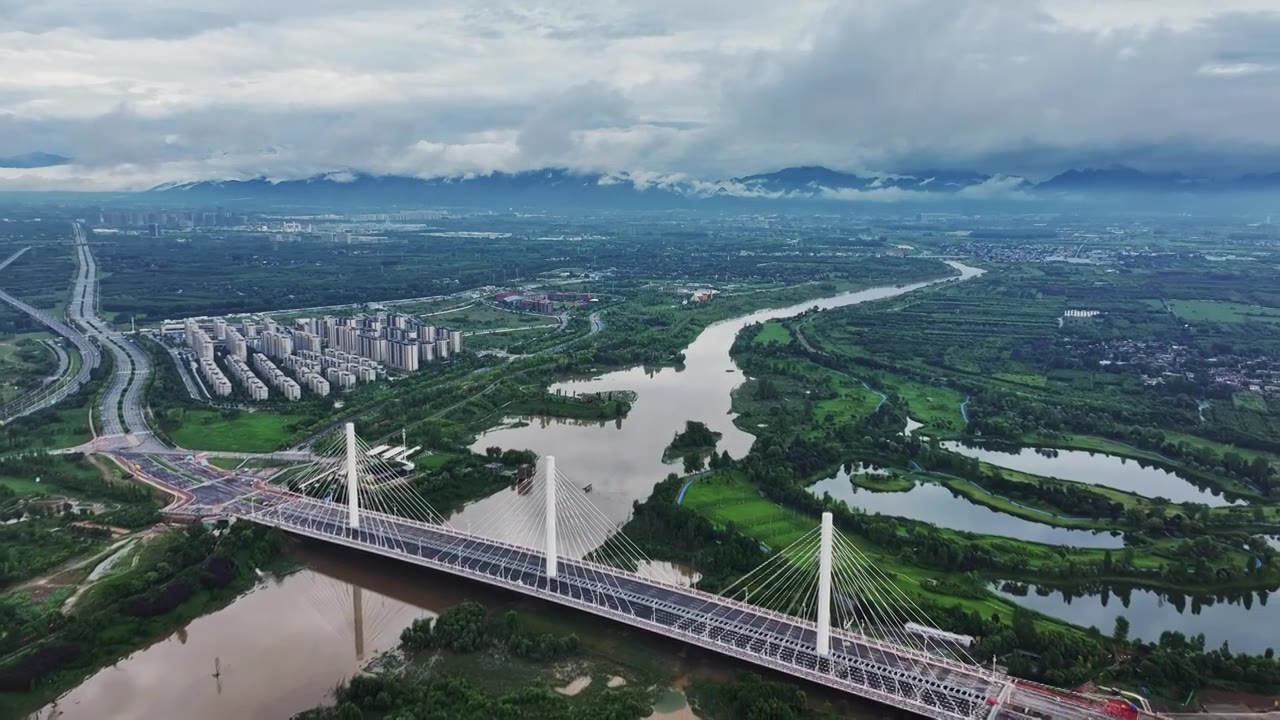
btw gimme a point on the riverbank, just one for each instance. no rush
(178, 577)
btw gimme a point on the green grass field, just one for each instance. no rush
(1224, 312)
(249, 432)
(431, 461)
(728, 500)
(25, 486)
(1252, 401)
(854, 402)
(937, 407)
(1037, 381)
(483, 317)
(773, 333)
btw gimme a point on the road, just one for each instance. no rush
(122, 410)
(50, 394)
(64, 362)
(9, 261)
(186, 372)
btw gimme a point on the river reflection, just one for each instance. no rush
(283, 647)
(1110, 471)
(936, 504)
(1248, 623)
(623, 461)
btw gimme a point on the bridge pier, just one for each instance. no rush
(353, 481)
(824, 588)
(549, 471)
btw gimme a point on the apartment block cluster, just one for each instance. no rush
(324, 354)
(398, 341)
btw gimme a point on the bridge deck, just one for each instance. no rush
(901, 677)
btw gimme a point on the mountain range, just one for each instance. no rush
(559, 187)
(33, 160)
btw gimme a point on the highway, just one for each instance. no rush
(122, 408)
(50, 394)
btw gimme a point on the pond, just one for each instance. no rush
(936, 504)
(1095, 468)
(1249, 623)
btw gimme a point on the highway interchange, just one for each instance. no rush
(50, 394)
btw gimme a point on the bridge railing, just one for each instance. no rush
(984, 674)
(913, 705)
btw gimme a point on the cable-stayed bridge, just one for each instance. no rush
(819, 610)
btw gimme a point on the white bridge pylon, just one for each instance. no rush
(549, 477)
(353, 477)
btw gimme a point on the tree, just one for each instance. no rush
(1121, 633)
(692, 463)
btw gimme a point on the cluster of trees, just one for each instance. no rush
(462, 628)
(400, 694)
(582, 407)
(464, 477)
(998, 415)
(751, 697)
(696, 436)
(184, 573)
(467, 628)
(71, 473)
(670, 531)
(1178, 663)
(510, 457)
(36, 545)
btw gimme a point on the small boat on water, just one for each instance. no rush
(729, 370)
(587, 488)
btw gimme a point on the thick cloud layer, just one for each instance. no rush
(144, 91)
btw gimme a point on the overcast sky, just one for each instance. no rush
(145, 91)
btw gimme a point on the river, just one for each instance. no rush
(1096, 468)
(284, 646)
(622, 460)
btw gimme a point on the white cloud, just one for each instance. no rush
(143, 90)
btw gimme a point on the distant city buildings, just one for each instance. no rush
(543, 303)
(315, 355)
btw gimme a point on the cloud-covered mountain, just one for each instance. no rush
(33, 160)
(184, 89)
(563, 188)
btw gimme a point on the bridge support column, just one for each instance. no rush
(353, 482)
(824, 587)
(549, 471)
